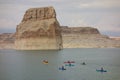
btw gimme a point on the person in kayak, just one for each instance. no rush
(83, 63)
(62, 68)
(102, 69)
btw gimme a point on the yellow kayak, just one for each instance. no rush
(45, 62)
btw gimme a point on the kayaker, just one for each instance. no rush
(63, 67)
(83, 63)
(102, 69)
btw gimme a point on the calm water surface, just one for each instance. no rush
(28, 65)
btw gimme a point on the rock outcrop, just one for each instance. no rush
(86, 37)
(39, 30)
(7, 41)
(71, 40)
(79, 30)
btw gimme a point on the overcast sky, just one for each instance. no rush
(101, 14)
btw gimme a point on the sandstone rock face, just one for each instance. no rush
(79, 30)
(71, 40)
(39, 30)
(7, 40)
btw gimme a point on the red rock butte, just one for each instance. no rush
(39, 30)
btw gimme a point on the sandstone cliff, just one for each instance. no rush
(7, 41)
(86, 37)
(79, 30)
(39, 30)
(72, 40)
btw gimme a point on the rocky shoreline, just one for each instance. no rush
(89, 41)
(7, 40)
(87, 37)
(72, 38)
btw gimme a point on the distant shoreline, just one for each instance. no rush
(71, 41)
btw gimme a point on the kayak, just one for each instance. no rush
(69, 62)
(70, 65)
(101, 70)
(62, 69)
(45, 62)
(83, 63)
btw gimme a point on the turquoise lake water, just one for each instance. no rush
(28, 65)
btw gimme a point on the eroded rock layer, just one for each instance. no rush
(79, 30)
(39, 30)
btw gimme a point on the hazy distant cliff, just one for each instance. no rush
(39, 30)
(86, 37)
(7, 41)
(79, 30)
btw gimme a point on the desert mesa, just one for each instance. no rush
(40, 30)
